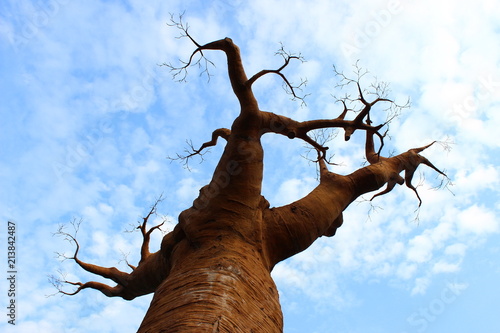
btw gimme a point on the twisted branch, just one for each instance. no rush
(129, 285)
(290, 88)
(146, 234)
(179, 73)
(218, 133)
(407, 162)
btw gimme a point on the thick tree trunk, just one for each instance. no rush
(219, 279)
(223, 285)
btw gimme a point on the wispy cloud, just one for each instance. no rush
(89, 118)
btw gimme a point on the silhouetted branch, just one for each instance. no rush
(129, 285)
(146, 234)
(58, 283)
(179, 73)
(191, 151)
(125, 259)
(107, 272)
(289, 87)
(322, 137)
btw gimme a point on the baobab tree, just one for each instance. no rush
(212, 272)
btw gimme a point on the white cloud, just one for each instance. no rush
(420, 249)
(406, 270)
(188, 189)
(68, 152)
(478, 220)
(292, 277)
(481, 177)
(445, 267)
(421, 285)
(456, 249)
(293, 189)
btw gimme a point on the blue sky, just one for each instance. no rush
(88, 119)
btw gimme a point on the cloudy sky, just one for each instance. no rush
(89, 117)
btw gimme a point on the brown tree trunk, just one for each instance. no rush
(220, 286)
(219, 279)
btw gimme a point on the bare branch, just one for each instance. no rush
(407, 162)
(191, 151)
(146, 234)
(58, 283)
(379, 90)
(125, 259)
(128, 286)
(322, 137)
(346, 109)
(179, 73)
(360, 105)
(107, 272)
(373, 208)
(288, 86)
(395, 179)
(293, 129)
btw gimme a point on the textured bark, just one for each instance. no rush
(212, 272)
(220, 286)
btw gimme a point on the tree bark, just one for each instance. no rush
(219, 286)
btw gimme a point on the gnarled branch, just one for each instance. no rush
(294, 129)
(379, 89)
(218, 133)
(146, 234)
(151, 270)
(179, 73)
(407, 162)
(111, 273)
(287, 57)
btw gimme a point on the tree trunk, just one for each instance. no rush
(221, 285)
